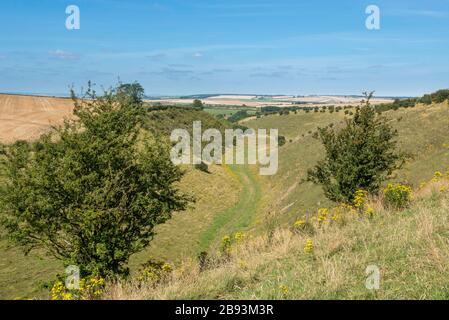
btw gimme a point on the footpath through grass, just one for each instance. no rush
(238, 217)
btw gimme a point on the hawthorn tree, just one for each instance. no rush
(131, 91)
(198, 104)
(359, 156)
(92, 191)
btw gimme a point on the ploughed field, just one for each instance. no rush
(27, 117)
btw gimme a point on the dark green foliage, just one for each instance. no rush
(426, 99)
(436, 97)
(398, 103)
(197, 104)
(163, 119)
(131, 91)
(360, 156)
(240, 115)
(91, 192)
(281, 141)
(270, 109)
(440, 96)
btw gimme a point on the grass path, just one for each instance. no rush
(240, 216)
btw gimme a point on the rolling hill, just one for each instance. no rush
(234, 199)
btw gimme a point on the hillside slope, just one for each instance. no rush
(408, 247)
(233, 199)
(423, 133)
(225, 200)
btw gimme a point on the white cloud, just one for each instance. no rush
(61, 54)
(422, 13)
(197, 55)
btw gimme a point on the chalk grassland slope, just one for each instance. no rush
(228, 197)
(217, 194)
(423, 132)
(27, 117)
(408, 247)
(226, 201)
(232, 199)
(165, 121)
(289, 194)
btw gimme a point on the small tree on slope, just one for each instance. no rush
(92, 192)
(360, 156)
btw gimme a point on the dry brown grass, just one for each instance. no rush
(432, 187)
(409, 247)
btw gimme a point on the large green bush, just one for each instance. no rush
(360, 155)
(91, 192)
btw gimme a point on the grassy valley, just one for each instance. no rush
(260, 206)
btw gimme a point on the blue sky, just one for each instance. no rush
(229, 46)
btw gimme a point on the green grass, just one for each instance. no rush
(24, 276)
(293, 126)
(177, 239)
(227, 112)
(181, 236)
(240, 216)
(409, 247)
(237, 199)
(422, 132)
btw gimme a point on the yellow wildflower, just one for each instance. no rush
(308, 247)
(322, 215)
(369, 212)
(299, 224)
(239, 237)
(360, 198)
(437, 176)
(284, 289)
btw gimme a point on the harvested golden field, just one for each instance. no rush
(27, 117)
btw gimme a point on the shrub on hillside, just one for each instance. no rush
(397, 195)
(426, 99)
(360, 156)
(198, 104)
(440, 96)
(281, 141)
(154, 271)
(131, 91)
(92, 192)
(239, 115)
